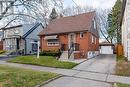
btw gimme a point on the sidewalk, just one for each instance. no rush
(74, 73)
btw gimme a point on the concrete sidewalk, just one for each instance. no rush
(74, 73)
(76, 82)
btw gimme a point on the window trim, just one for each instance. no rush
(94, 24)
(51, 43)
(92, 39)
(95, 40)
(81, 34)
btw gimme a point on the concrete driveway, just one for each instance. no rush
(100, 64)
(96, 68)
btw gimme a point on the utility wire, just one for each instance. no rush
(75, 3)
(77, 6)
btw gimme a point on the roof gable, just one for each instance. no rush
(31, 30)
(81, 22)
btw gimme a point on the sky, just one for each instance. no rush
(103, 4)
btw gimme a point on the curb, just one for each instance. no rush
(46, 82)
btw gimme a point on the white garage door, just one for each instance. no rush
(106, 50)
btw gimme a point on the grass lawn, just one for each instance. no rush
(48, 61)
(122, 67)
(16, 77)
(123, 85)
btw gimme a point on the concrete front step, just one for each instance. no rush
(64, 56)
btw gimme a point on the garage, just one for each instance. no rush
(106, 48)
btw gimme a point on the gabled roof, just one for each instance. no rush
(31, 30)
(77, 23)
(12, 27)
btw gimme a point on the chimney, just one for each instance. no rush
(60, 16)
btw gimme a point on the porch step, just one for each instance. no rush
(64, 56)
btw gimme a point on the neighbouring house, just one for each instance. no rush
(126, 28)
(1, 41)
(21, 38)
(106, 48)
(76, 36)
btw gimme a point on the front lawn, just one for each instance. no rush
(123, 85)
(16, 77)
(122, 67)
(48, 61)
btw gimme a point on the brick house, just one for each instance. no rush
(76, 36)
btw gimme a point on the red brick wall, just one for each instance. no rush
(1, 45)
(85, 42)
(63, 38)
(44, 47)
(93, 46)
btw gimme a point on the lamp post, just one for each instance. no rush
(38, 50)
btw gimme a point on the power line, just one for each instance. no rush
(75, 3)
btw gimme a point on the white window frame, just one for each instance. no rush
(52, 43)
(81, 34)
(94, 24)
(92, 38)
(95, 40)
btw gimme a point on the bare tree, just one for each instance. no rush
(75, 10)
(29, 11)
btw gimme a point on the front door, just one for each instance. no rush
(17, 44)
(72, 40)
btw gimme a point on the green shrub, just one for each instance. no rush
(50, 53)
(121, 58)
(2, 51)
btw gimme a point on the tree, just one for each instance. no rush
(110, 30)
(53, 14)
(114, 29)
(103, 24)
(28, 11)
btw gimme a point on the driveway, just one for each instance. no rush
(101, 64)
(91, 73)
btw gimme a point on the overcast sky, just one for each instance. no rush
(104, 4)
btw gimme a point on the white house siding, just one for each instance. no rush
(9, 42)
(27, 27)
(126, 30)
(33, 36)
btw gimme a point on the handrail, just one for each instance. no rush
(73, 47)
(70, 51)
